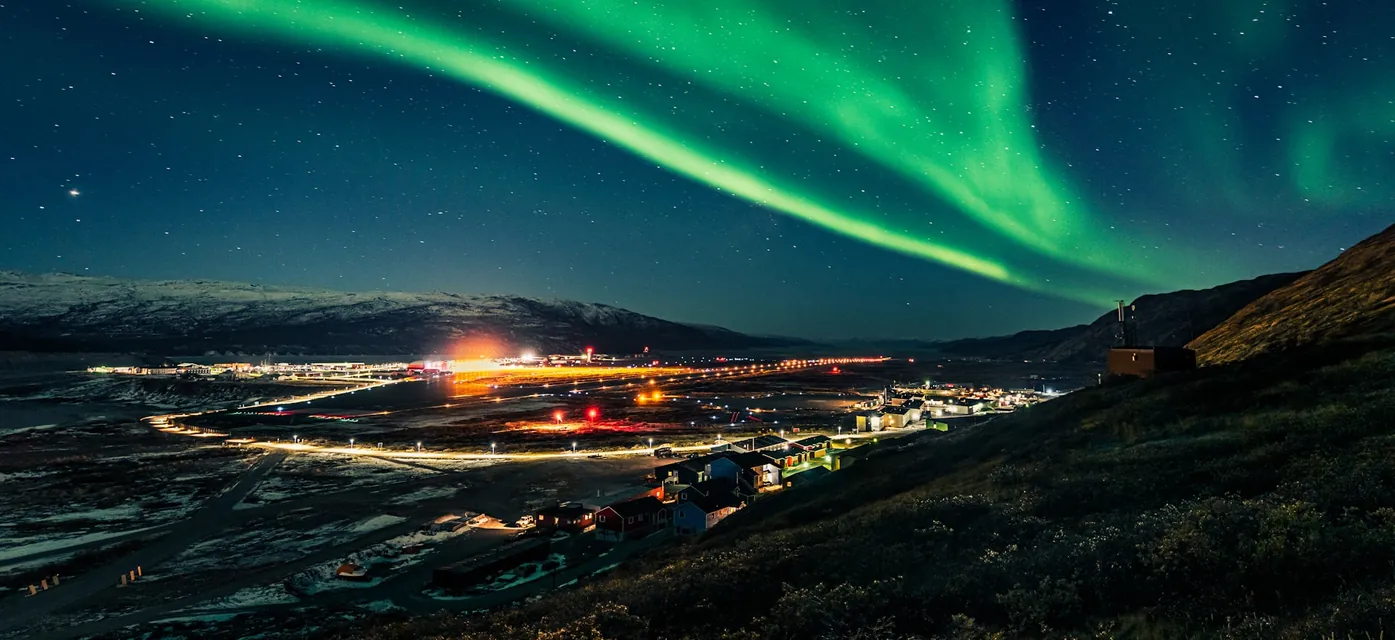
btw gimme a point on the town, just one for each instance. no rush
(442, 484)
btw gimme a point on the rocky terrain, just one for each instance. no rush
(65, 313)
(1353, 295)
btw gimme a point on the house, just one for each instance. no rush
(848, 457)
(697, 512)
(806, 477)
(755, 469)
(630, 518)
(814, 444)
(790, 456)
(572, 517)
(688, 471)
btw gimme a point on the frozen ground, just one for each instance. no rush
(380, 560)
(250, 597)
(303, 475)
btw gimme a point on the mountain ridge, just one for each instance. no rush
(61, 312)
(1162, 319)
(1351, 295)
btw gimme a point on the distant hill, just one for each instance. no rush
(1353, 295)
(61, 312)
(1163, 319)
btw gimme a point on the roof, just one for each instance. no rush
(812, 474)
(751, 459)
(916, 404)
(813, 441)
(761, 442)
(899, 410)
(716, 501)
(570, 509)
(637, 506)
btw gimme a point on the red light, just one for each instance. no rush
(557, 415)
(592, 413)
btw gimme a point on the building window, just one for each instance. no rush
(601, 518)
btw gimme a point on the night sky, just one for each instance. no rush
(824, 169)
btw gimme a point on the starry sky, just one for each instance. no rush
(815, 168)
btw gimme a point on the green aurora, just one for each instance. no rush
(796, 108)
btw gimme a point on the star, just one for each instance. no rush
(74, 193)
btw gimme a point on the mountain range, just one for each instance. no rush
(63, 312)
(1163, 319)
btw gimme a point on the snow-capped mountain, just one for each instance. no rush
(62, 312)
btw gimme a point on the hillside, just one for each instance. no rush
(1354, 294)
(1164, 319)
(60, 312)
(1217, 504)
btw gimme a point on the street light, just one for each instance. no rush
(491, 449)
(573, 447)
(418, 445)
(351, 443)
(651, 443)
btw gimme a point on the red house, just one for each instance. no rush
(630, 519)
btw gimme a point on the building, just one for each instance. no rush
(963, 406)
(802, 478)
(702, 506)
(895, 417)
(1142, 362)
(630, 518)
(572, 517)
(814, 444)
(689, 471)
(869, 421)
(754, 469)
(790, 456)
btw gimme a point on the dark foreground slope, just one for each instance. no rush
(1354, 294)
(1255, 500)
(1163, 319)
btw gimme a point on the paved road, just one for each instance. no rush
(95, 544)
(213, 516)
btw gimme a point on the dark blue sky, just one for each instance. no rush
(196, 154)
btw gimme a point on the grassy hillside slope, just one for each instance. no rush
(1354, 294)
(1254, 500)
